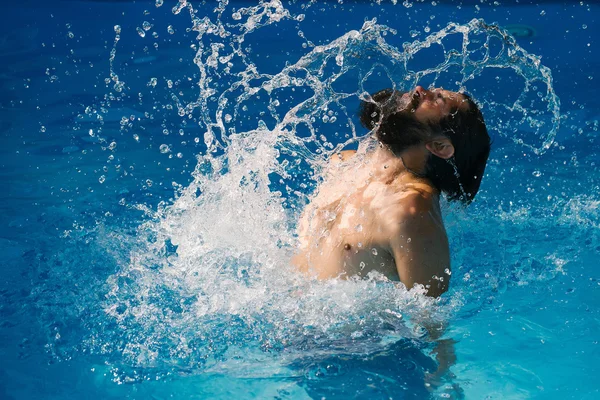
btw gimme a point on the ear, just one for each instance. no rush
(441, 147)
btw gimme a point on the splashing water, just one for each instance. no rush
(206, 281)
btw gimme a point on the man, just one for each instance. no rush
(379, 210)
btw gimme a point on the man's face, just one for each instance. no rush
(430, 106)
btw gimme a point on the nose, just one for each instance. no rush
(420, 91)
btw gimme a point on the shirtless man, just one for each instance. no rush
(380, 210)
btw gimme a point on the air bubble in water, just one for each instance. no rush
(140, 32)
(146, 25)
(153, 82)
(102, 179)
(537, 174)
(164, 148)
(170, 29)
(159, 3)
(237, 16)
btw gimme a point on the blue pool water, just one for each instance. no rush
(156, 156)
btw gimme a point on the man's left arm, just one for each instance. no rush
(419, 246)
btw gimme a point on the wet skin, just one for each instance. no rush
(372, 213)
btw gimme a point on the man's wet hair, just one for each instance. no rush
(458, 177)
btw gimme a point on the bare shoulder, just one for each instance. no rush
(413, 211)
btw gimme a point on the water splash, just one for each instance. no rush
(210, 272)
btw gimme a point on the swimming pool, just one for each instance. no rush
(144, 258)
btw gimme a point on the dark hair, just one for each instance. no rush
(460, 176)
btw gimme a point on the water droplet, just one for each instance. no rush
(362, 265)
(42, 129)
(236, 15)
(159, 3)
(358, 228)
(543, 13)
(170, 29)
(228, 118)
(408, 240)
(146, 25)
(537, 174)
(149, 182)
(136, 137)
(70, 35)
(112, 145)
(374, 251)
(164, 148)
(101, 179)
(140, 32)
(584, 26)
(153, 82)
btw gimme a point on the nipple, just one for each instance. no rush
(347, 246)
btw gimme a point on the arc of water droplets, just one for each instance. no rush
(350, 52)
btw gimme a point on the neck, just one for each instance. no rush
(406, 167)
(411, 160)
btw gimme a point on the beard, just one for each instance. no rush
(400, 129)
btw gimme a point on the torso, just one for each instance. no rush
(345, 230)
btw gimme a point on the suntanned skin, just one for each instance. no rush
(373, 212)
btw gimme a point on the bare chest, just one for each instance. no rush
(344, 233)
